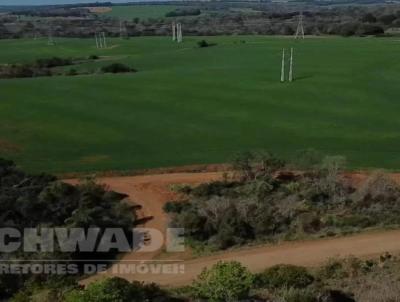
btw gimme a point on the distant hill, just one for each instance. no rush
(52, 2)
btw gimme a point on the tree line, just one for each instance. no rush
(264, 20)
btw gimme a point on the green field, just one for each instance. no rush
(189, 105)
(140, 11)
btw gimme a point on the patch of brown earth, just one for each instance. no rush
(153, 191)
(8, 147)
(99, 9)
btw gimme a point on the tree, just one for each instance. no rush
(284, 276)
(115, 289)
(369, 18)
(117, 68)
(225, 281)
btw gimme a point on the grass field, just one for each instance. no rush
(189, 105)
(140, 11)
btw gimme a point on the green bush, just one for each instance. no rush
(174, 206)
(72, 72)
(53, 62)
(225, 281)
(284, 276)
(115, 289)
(333, 269)
(297, 295)
(204, 43)
(117, 68)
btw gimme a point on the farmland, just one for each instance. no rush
(189, 105)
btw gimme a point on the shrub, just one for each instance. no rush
(174, 206)
(115, 289)
(204, 43)
(225, 281)
(335, 295)
(183, 12)
(297, 295)
(72, 72)
(284, 276)
(333, 269)
(53, 62)
(117, 68)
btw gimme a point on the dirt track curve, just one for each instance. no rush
(152, 191)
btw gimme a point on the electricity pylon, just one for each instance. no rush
(283, 66)
(291, 66)
(300, 27)
(174, 31)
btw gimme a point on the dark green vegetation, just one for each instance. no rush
(225, 281)
(266, 203)
(190, 105)
(117, 68)
(38, 201)
(204, 43)
(140, 11)
(116, 289)
(107, 290)
(51, 67)
(338, 280)
(184, 12)
(206, 18)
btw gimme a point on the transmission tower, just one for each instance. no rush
(50, 40)
(283, 66)
(174, 30)
(97, 40)
(104, 40)
(291, 66)
(122, 29)
(180, 36)
(300, 27)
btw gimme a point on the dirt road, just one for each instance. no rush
(152, 191)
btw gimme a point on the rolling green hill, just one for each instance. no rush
(189, 105)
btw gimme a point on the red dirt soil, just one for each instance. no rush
(153, 191)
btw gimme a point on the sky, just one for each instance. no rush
(47, 2)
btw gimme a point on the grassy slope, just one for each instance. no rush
(140, 11)
(189, 105)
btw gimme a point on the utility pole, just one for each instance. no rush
(173, 31)
(300, 27)
(291, 66)
(283, 66)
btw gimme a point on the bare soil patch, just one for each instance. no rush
(99, 9)
(8, 147)
(153, 191)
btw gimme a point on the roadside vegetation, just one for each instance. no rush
(267, 201)
(38, 201)
(338, 280)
